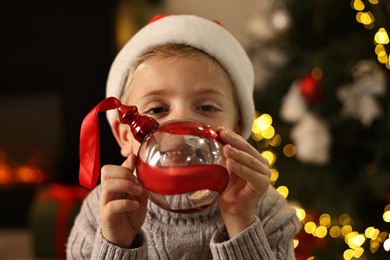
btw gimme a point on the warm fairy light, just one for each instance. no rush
(382, 236)
(301, 213)
(348, 254)
(276, 140)
(262, 127)
(353, 253)
(261, 123)
(386, 244)
(345, 230)
(336, 228)
(382, 57)
(289, 150)
(325, 220)
(374, 246)
(283, 190)
(268, 132)
(358, 5)
(274, 176)
(341, 227)
(320, 232)
(365, 18)
(381, 37)
(296, 243)
(355, 240)
(270, 156)
(335, 231)
(310, 227)
(379, 49)
(386, 216)
(371, 233)
(358, 252)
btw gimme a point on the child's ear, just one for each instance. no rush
(123, 137)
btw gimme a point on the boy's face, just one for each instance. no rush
(180, 89)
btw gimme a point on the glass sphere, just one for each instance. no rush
(181, 166)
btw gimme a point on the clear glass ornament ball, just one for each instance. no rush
(182, 167)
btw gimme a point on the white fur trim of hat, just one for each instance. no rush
(198, 32)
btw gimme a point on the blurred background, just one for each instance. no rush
(323, 114)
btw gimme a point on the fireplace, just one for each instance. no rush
(55, 56)
(30, 139)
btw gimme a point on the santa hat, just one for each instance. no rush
(206, 35)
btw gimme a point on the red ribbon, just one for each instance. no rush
(90, 145)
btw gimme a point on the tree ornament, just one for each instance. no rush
(294, 104)
(180, 163)
(312, 139)
(310, 132)
(359, 97)
(311, 89)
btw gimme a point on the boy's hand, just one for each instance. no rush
(122, 204)
(249, 180)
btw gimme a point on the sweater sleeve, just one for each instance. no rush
(86, 241)
(269, 237)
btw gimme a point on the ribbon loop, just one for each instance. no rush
(90, 145)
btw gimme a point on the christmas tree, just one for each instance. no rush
(322, 73)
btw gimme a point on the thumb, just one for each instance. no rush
(130, 162)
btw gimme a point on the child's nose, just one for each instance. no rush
(183, 114)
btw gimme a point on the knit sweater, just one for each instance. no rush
(202, 235)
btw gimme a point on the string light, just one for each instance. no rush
(381, 38)
(340, 227)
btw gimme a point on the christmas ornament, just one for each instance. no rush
(312, 139)
(180, 163)
(310, 89)
(358, 98)
(293, 106)
(310, 132)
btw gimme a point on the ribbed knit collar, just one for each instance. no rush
(169, 217)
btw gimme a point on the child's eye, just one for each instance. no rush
(155, 110)
(208, 108)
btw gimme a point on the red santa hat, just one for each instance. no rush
(204, 34)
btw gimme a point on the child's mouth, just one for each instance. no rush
(176, 157)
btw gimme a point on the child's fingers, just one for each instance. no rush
(256, 179)
(119, 182)
(121, 186)
(120, 206)
(245, 161)
(235, 140)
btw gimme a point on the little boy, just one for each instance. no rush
(184, 67)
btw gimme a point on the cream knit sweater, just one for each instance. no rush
(167, 235)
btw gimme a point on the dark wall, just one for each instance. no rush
(62, 48)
